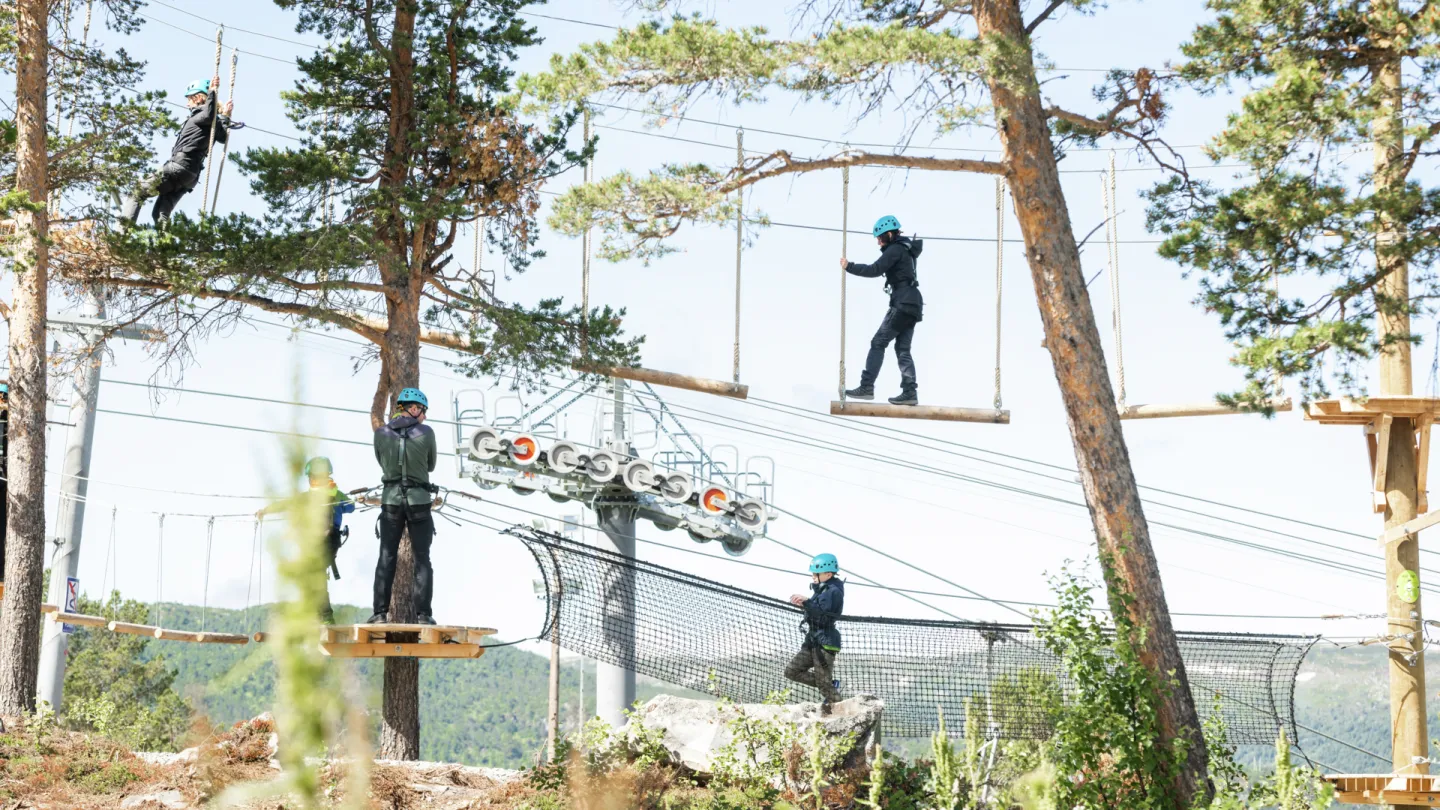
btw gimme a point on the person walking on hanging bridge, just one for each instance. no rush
(322, 494)
(178, 175)
(814, 665)
(405, 448)
(898, 257)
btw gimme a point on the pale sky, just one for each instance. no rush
(1000, 543)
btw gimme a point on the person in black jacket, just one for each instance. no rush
(178, 176)
(898, 255)
(814, 665)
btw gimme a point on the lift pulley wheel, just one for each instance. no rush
(524, 449)
(602, 466)
(750, 513)
(485, 444)
(698, 537)
(639, 476)
(735, 546)
(676, 487)
(525, 484)
(563, 457)
(714, 500)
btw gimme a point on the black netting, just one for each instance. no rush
(710, 637)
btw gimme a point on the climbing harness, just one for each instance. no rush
(214, 121)
(224, 147)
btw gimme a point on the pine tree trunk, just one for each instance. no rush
(1127, 558)
(25, 533)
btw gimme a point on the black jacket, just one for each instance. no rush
(194, 141)
(897, 264)
(406, 451)
(821, 611)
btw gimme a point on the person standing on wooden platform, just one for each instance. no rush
(406, 450)
(898, 256)
(814, 665)
(319, 472)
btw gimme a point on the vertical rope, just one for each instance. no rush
(250, 574)
(205, 595)
(999, 275)
(585, 176)
(214, 121)
(159, 569)
(110, 559)
(84, 42)
(844, 254)
(224, 147)
(739, 239)
(1112, 234)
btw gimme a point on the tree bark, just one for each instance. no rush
(25, 456)
(1127, 558)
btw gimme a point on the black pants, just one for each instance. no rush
(167, 185)
(393, 522)
(814, 666)
(332, 545)
(899, 326)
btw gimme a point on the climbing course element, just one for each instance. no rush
(844, 254)
(214, 121)
(706, 636)
(999, 275)
(224, 147)
(372, 641)
(739, 242)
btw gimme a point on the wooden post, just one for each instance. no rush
(553, 717)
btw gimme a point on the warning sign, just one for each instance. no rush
(72, 601)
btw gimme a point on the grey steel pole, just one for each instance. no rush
(70, 520)
(615, 684)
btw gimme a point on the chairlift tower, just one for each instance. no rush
(682, 484)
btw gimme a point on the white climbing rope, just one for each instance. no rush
(999, 275)
(205, 595)
(844, 253)
(586, 174)
(159, 569)
(112, 562)
(224, 147)
(1112, 244)
(739, 239)
(214, 121)
(250, 578)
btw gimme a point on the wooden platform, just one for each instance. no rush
(932, 412)
(372, 641)
(1376, 415)
(1385, 789)
(1198, 409)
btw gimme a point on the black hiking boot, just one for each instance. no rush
(905, 398)
(425, 618)
(379, 618)
(865, 392)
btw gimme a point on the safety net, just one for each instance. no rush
(718, 639)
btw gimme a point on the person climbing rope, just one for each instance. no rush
(814, 665)
(898, 256)
(405, 448)
(178, 175)
(318, 472)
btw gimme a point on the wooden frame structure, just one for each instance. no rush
(1375, 415)
(371, 641)
(937, 413)
(703, 385)
(1412, 789)
(1199, 409)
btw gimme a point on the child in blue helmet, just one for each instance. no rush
(897, 263)
(318, 472)
(814, 665)
(179, 175)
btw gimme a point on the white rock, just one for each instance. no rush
(167, 757)
(695, 729)
(167, 799)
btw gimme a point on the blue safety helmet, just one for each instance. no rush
(886, 224)
(414, 395)
(197, 86)
(823, 563)
(314, 464)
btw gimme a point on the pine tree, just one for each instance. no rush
(949, 65)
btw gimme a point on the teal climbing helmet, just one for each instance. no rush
(197, 86)
(886, 224)
(415, 395)
(823, 563)
(315, 465)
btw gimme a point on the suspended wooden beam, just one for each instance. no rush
(932, 412)
(80, 619)
(133, 629)
(204, 637)
(669, 380)
(1197, 409)
(257, 637)
(175, 635)
(47, 608)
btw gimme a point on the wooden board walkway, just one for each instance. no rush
(372, 641)
(1416, 789)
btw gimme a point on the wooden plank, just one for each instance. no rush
(327, 634)
(49, 608)
(1382, 458)
(133, 629)
(1409, 527)
(80, 619)
(257, 637)
(430, 636)
(665, 378)
(1422, 461)
(223, 638)
(474, 634)
(932, 412)
(1197, 409)
(175, 635)
(402, 650)
(1389, 797)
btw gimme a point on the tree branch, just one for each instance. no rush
(1050, 9)
(789, 165)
